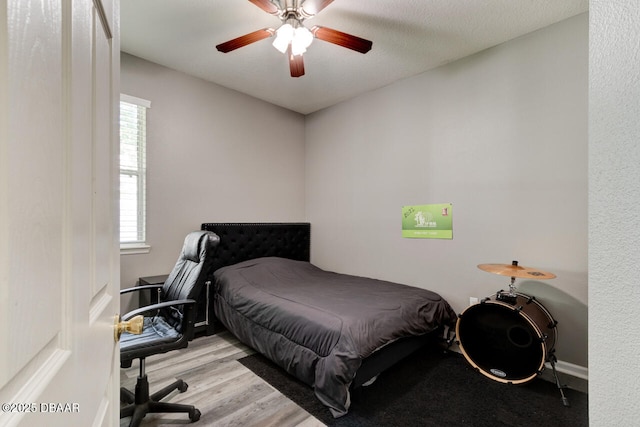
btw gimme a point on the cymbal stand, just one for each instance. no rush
(552, 361)
(510, 296)
(512, 287)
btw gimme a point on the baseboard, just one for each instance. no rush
(575, 377)
(571, 369)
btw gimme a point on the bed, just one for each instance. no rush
(335, 332)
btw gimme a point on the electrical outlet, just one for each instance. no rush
(473, 300)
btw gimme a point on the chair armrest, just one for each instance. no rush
(158, 306)
(140, 288)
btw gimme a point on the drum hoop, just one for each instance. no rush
(529, 320)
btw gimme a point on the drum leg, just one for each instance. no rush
(451, 338)
(553, 360)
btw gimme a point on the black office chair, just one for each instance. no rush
(168, 325)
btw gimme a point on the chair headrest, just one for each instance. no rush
(197, 243)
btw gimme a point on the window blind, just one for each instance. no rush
(133, 130)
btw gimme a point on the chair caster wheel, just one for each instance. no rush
(195, 415)
(183, 387)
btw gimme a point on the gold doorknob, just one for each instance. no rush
(133, 326)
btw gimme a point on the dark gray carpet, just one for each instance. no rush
(433, 388)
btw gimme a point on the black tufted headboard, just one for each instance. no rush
(244, 241)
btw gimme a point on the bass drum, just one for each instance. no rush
(507, 338)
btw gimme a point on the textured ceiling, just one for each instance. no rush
(409, 37)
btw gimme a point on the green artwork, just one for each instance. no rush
(428, 221)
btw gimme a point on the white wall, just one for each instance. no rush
(503, 136)
(213, 155)
(614, 209)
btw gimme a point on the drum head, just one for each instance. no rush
(502, 342)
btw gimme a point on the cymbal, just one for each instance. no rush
(515, 270)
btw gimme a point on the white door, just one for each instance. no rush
(59, 260)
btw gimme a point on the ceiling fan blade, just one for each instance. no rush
(342, 39)
(312, 7)
(242, 41)
(296, 64)
(266, 5)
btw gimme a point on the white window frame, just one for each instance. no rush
(138, 247)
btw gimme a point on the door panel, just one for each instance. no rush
(59, 255)
(102, 135)
(31, 171)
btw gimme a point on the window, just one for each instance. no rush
(133, 124)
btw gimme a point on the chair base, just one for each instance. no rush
(140, 403)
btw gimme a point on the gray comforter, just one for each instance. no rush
(319, 325)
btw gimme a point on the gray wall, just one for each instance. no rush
(213, 155)
(614, 209)
(503, 136)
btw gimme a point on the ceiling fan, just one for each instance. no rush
(292, 37)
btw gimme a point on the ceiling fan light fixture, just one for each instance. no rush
(302, 39)
(284, 36)
(292, 37)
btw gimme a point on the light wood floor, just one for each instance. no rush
(227, 393)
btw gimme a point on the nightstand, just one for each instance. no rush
(151, 280)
